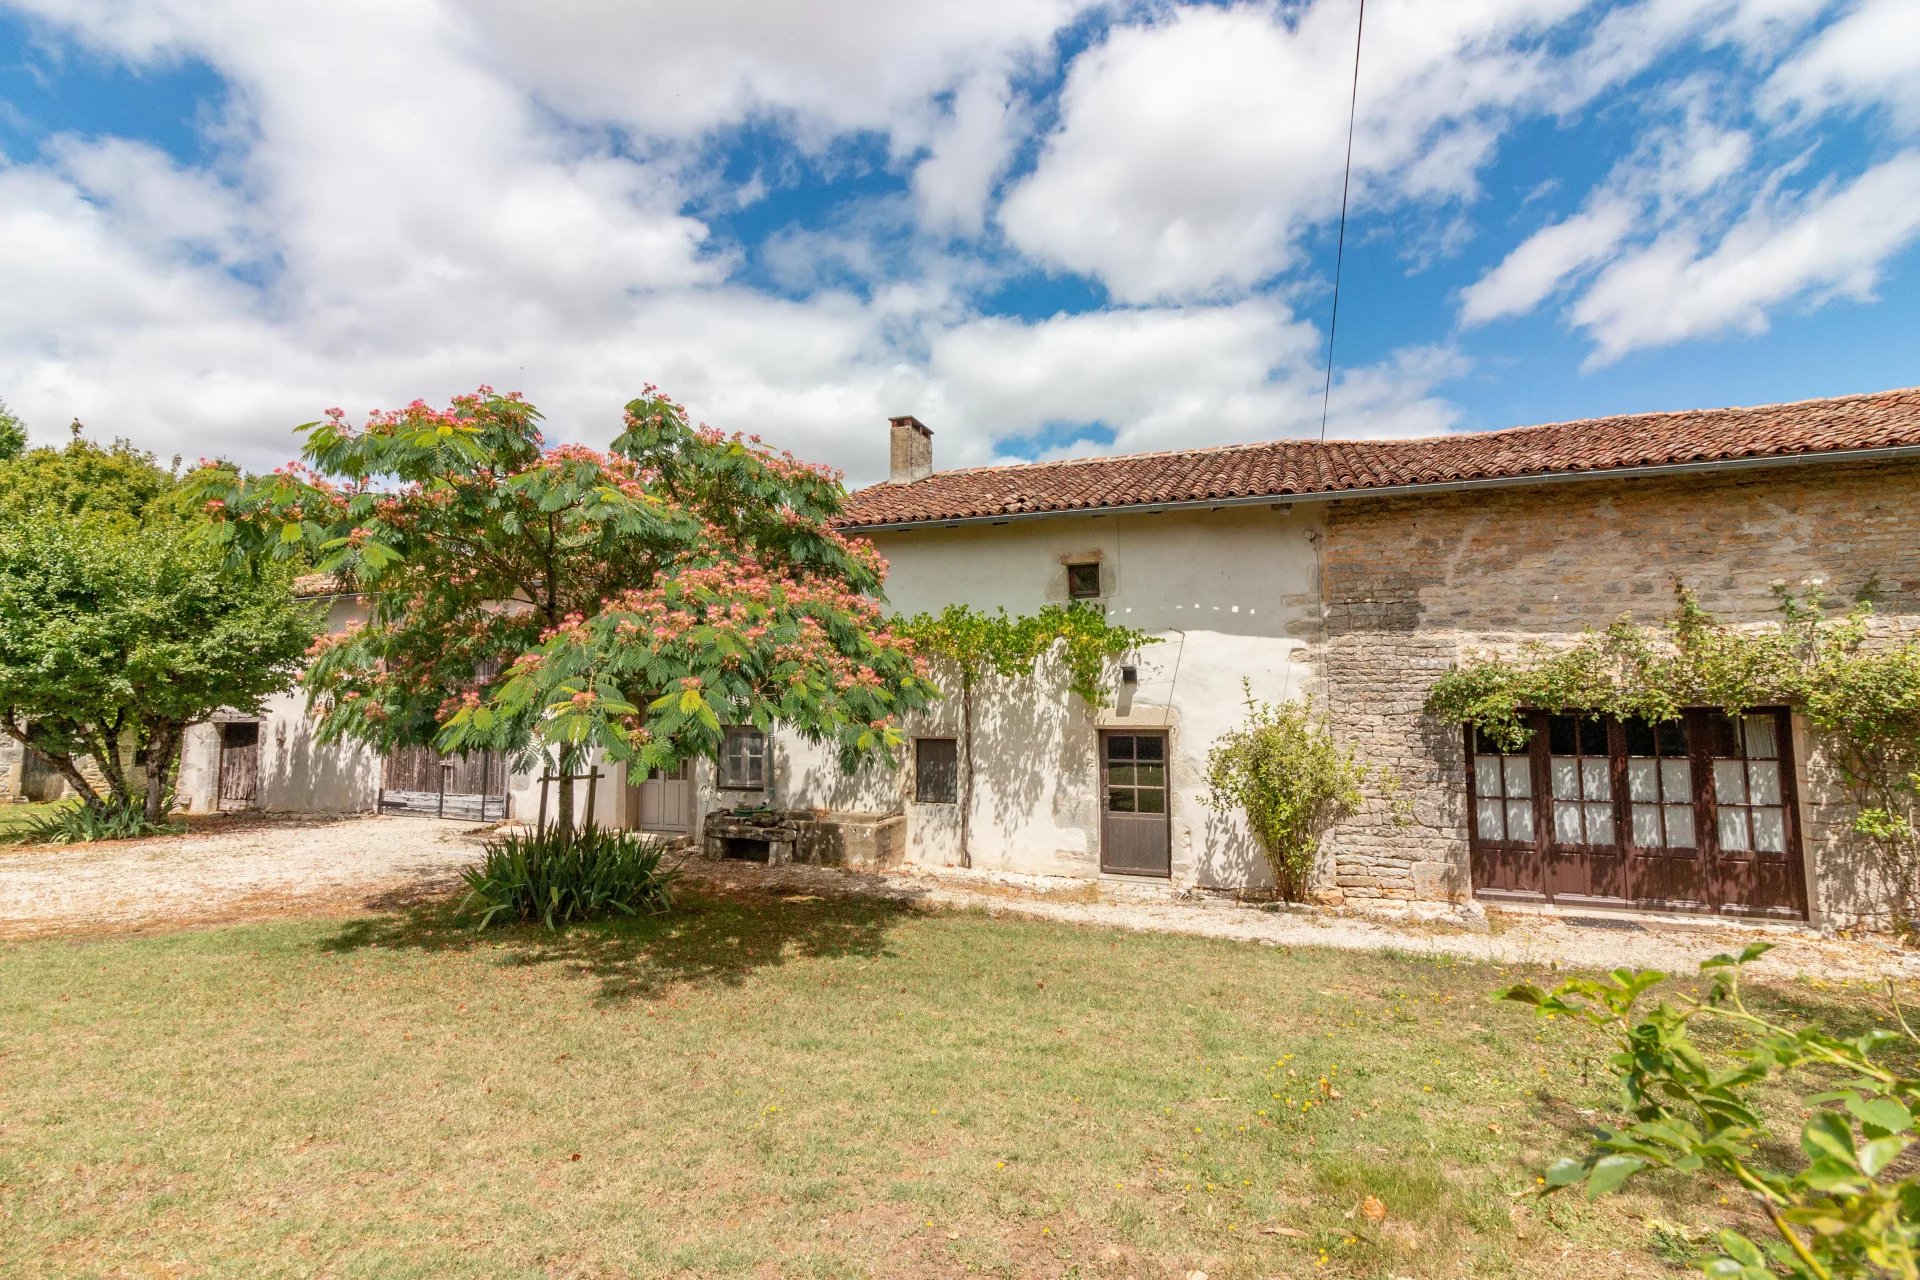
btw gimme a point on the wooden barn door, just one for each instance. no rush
(239, 765)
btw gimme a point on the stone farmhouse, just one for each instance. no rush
(1356, 572)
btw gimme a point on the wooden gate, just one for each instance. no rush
(471, 787)
(1136, 837)
(1695, 814)
(239, 765)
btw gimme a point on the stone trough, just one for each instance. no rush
(820, 837)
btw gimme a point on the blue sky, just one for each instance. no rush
(1045, 226)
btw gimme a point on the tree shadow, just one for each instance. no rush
(706, 939)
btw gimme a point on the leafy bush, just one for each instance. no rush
(1839, 1206)
(81, 823)
(1283, 770)
(558, 879)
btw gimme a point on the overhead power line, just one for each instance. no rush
(1346, 185)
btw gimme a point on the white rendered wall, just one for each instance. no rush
(297, 773)
(1231, 594)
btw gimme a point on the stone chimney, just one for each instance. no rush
(912, 450)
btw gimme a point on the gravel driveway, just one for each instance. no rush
(248, 868)
(262, 866)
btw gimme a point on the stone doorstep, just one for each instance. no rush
(1611, 917)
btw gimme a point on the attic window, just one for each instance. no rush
(1083, 581)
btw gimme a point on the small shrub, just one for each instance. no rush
(1844, 1202)
(560, 879)
(80, 823)
(1283, 770)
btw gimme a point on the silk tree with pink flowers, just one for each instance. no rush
(547, 600)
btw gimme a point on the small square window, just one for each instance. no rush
(1083, 581)
(936, 771)
(743, 759)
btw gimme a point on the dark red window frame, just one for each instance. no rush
(1647, 767)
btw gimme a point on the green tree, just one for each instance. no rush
(13, 434)
(120, 482)
(973, 645)
(549, 600)
(116, 640)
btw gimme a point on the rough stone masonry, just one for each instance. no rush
(1410, 585)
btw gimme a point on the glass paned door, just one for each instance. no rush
(1136, 837)
(1753, 812)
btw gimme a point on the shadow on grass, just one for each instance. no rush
(705, 939)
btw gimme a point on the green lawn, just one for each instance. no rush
(15, 817)
(765, 1087)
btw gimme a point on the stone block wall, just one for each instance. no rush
(1412, 584)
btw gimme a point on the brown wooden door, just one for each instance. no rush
(1502, 812)
(1136, 835)
(239, 765)
(1694, 814)
(1751, 814)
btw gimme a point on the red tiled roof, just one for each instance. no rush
(309, 585)
(1289, 468)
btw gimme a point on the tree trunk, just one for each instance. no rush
(64, 765)
(563, 795)
(163, 757)
(966, 769)
(104, 747)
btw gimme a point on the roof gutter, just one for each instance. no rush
(1890, 453)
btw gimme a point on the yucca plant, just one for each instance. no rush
(81, 823)
(558, 878)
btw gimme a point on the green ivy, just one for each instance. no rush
(975, 643)
(1863, 701)
(972, 643)
(1283, 770)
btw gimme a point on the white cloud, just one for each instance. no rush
(1825, 245)
(1545, 261)
(667, 67)
(1871, 55)
(408, 197)
(1192, 152)
(955, 181)
(1631, 37)
(1167, 377)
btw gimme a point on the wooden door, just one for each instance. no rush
(1136, 835)
(1502, 813)
(1753, 817)
(1693, 814)
(239, 765)
(663, 801)
(1666, 849)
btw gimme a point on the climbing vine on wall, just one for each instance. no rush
(1862, 698)
(973, 644)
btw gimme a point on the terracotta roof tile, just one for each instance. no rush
(309, 585)
(1284, 468)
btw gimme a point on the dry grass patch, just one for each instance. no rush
(759, 1086)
